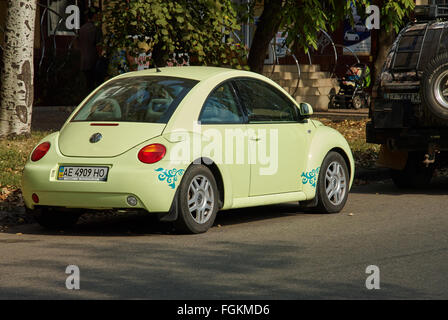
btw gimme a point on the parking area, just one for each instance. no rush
(273, 252)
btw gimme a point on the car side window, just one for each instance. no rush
(265, 103)
(221, 107)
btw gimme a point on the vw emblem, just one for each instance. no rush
(95, 137)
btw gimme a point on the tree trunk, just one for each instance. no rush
(267, 27)
(385, 41)
(16, 92)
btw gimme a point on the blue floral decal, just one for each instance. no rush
(310, 177)
(170, 176)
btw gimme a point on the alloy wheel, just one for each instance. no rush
(335, 183)
(200, 199)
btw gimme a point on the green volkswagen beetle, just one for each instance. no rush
(184, 143)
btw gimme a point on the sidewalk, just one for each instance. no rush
(343, 114)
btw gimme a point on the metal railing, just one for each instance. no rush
(45, 14)
(323, 41)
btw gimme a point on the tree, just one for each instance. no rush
(16, 92)
(195, 27)
(303, 19)
(394, 14)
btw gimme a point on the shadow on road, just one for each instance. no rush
(206, 270)
(144, 224)
(438, 186)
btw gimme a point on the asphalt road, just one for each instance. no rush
(273, 252)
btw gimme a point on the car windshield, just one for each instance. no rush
(150, 99)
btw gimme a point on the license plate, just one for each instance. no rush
(83, 173)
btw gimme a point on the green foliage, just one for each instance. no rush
(166, 27)
(13, 155)
(303, 19)
(394, 13)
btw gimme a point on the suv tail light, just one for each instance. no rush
(152, 153)
(40, 151)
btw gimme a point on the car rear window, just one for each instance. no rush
(151, 99)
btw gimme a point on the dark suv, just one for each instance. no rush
(409, 118)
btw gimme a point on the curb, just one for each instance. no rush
(343, 114)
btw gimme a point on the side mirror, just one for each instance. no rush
(306, 110)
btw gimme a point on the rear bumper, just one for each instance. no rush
(154, 190)
(408, 139)
(151, 193)
(392, 114)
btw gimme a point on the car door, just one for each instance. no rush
(223, 127)
(277, 138)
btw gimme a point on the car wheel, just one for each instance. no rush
(415, 174)
(198, 200)
(357, 102)
(333, 184)
(53, 218)
(435, 88)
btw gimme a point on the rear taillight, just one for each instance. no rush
(35, 198)
(40, 151)
(152, 153)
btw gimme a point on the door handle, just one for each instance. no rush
(255, 138)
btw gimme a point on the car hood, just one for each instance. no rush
(75, 138)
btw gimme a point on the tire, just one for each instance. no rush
(358, 102)
(333, 171)
(415, 174)
(433, 83)
(197, 200)
(52, 218)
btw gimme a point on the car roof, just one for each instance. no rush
(199, 73)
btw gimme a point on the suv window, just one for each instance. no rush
(265, 103)
(444, 40)
(221, 107)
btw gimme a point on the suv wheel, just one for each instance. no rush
(358, 102)
(435, 88)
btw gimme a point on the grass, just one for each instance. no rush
(14, 152)
(354, 131)
(13, 155)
